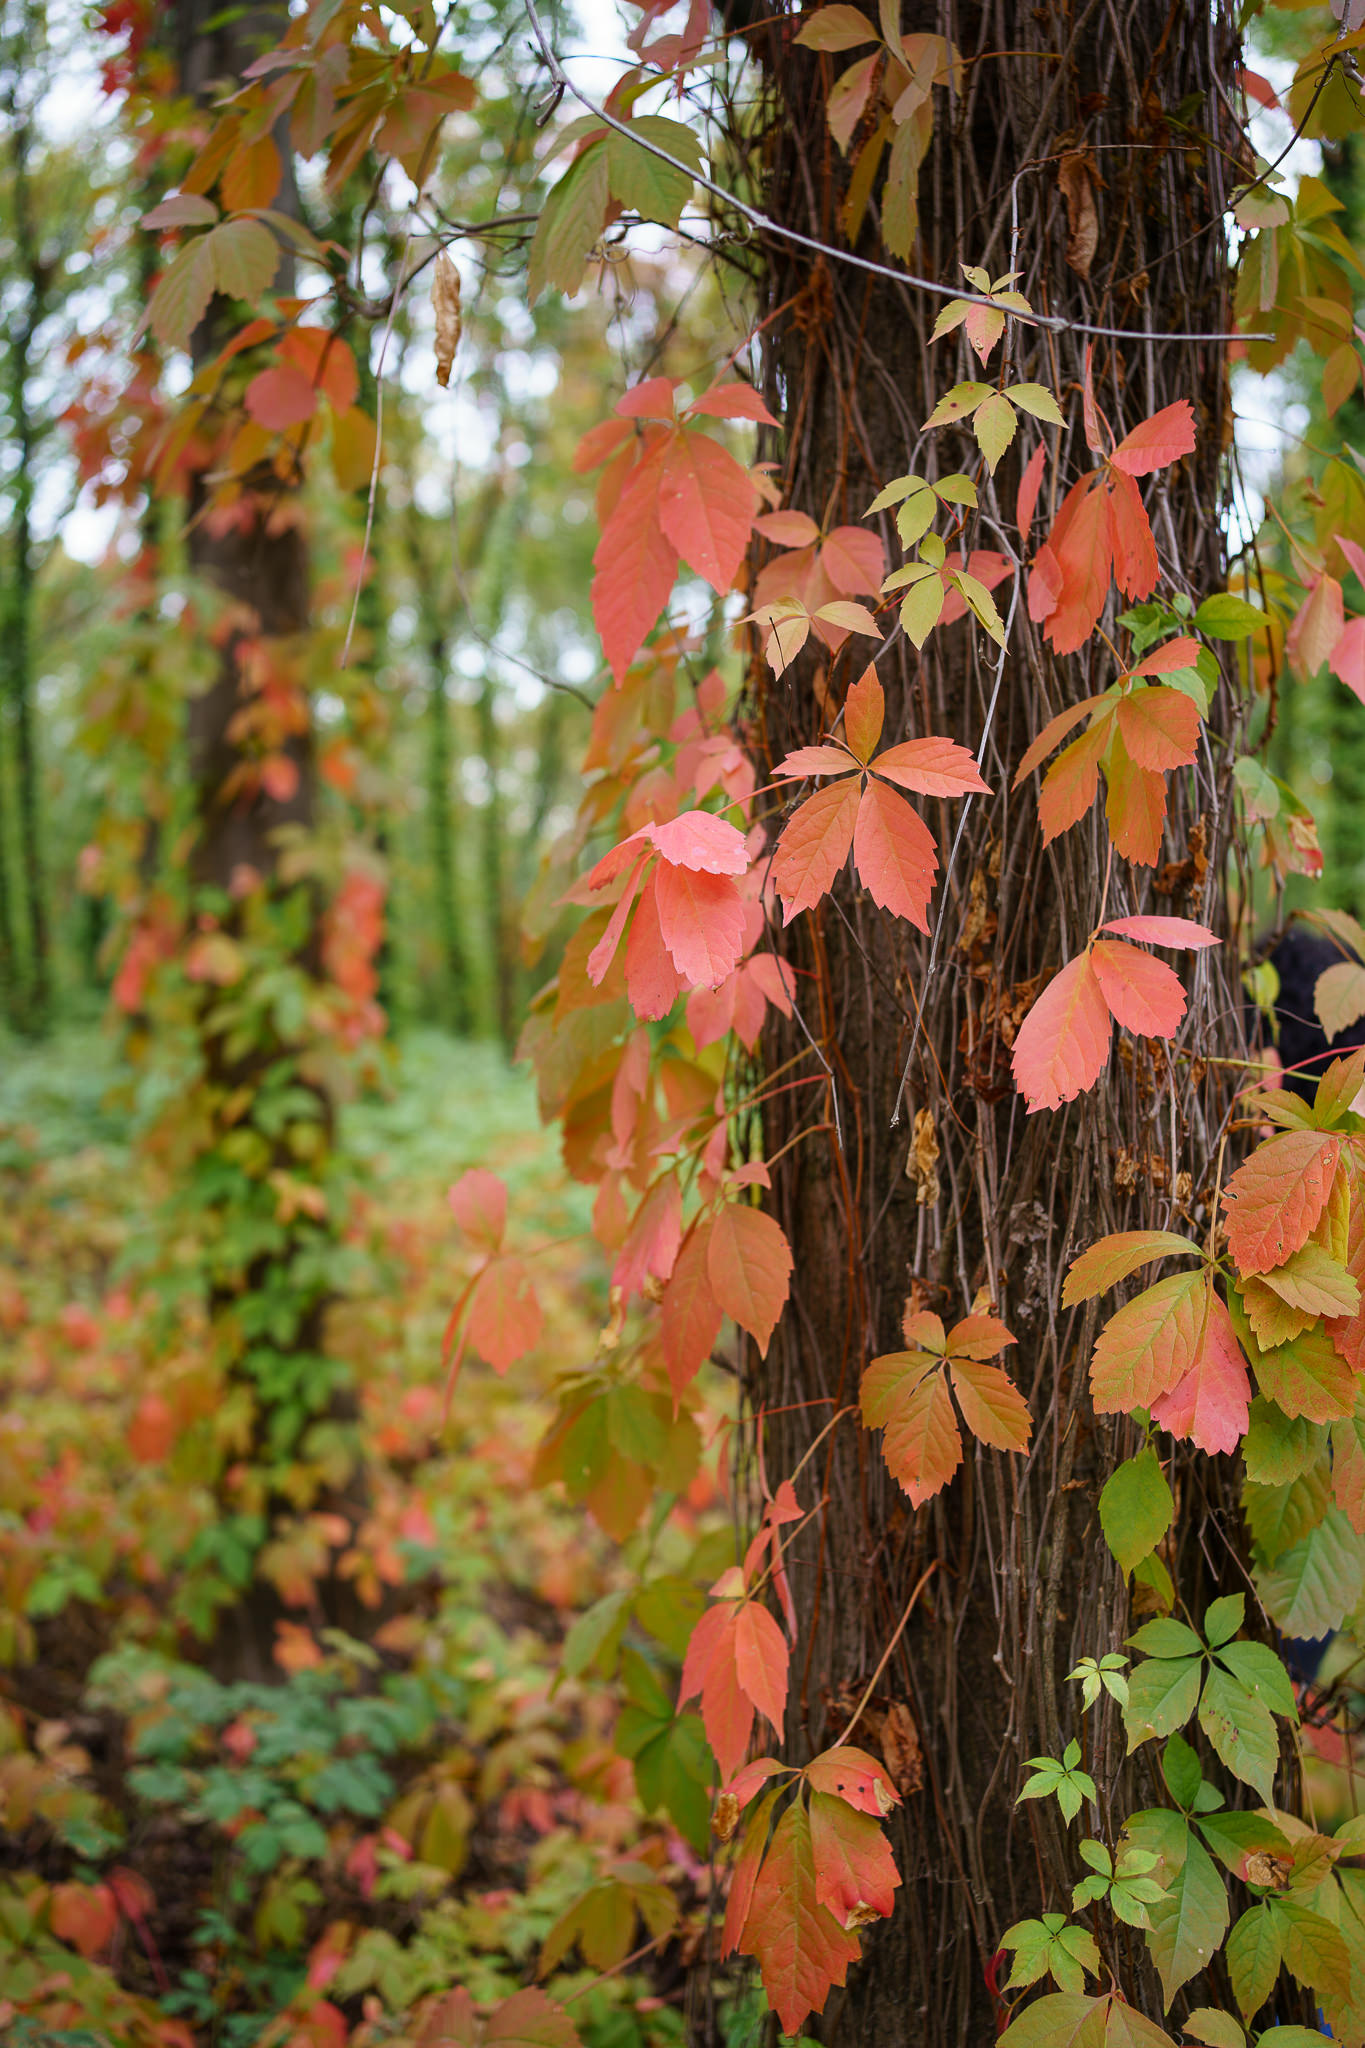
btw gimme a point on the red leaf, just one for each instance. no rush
(600, 442)
(1030, 483)
(709, 1669)
(504, 1314)
(1082, 544)
(636, 566)
(651, 1245)
(810, 761)
(1135, 562)
(1211, 1403)
(761, 1662)
(1347, 659)
(1144, 994)
(814, 846)
(653, 983)
(326, 361)
(744, 1876)
(905, 1394)
(1052, 734)
(1156, 442)
(749, 1263)
(528, 2019)
(802, 1950)
(733, 401)
(1165, 931)
(854, 561)
(1063, 1042)
(894, 853)
(604, 952)
(931, 767)
(1149, 1346)
(85, 1916)
(651, 399)
(281, 398)
(478, 1201)
(699, 839)
(1275, 1198)
(788, 529)
(706, 507)
(855, 1777)
(690, 1313)
(1160, 727)
(854, 1869)
(864, 715)
(701, 919)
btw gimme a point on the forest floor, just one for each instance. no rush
(191, 1856)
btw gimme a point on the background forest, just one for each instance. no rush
(340, 1631)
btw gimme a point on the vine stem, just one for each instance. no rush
(885, 1658)
(932, 969)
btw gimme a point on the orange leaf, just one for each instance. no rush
(1063, 1042)
(690, 1313)
(709, 1669)
(1134, 808)
(1082, 544)
(281, 398)
(814, 846)
(1144, 994)
(1052, 734)
(701, 918)
(992, 1407)
(1030, 483)
(478, 1202)
(905, 1394)
(1275, 1198)
(1135, 561)
(855, 1777)
(504, 1315)
(1149, 1345)
(749, 1263)
(1070, 784)
(636, 565)
(1160, 727)
(864, 714)
(895, 855)
(744, 1876)
(653, 983)
(931, 767)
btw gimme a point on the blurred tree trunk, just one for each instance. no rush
(29, 966)
(1016, 1581)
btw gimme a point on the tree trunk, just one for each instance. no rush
(1016, 1583)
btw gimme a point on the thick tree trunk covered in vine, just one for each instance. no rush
(1016, 1581)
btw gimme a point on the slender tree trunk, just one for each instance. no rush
(456, 1010)
(494, 879)
(31, 973)
(1014, 1580)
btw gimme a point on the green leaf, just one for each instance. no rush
(1311, 1589)
(1281, 1516)
(1241, 1729)
(1189, 1921)
(570, 222)
(1180, 1769)
(1214, 2029)
(958, 404)
(1136, 1508)
(1061, 2020)
(1225, 617)
(182, 294)
(245, 259)
(1313, 1949)
(995, 424)
(1253, 1955)
(1260, 1671)
(1037, 400)
(639, 179)
(1162, 1694)
(1223, 1618)
(1166, 1637)
(981, 604)
(596, 1634)
(1235, 1836)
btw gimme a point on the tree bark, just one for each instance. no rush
(1015, 1581)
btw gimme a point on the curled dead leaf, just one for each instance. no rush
(726, 1816)
(922, 1164)
(861, 1915)
(445, 301)
(900, 1748)
(1076, 176)
(1261, 1868)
